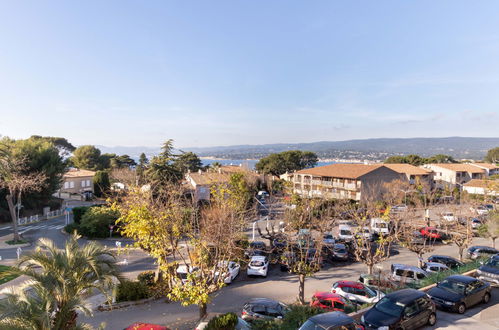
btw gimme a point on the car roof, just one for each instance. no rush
(479, 247)
(405, 296)
(350, 284)
(344, 227)
(327, 295)
(408, 267)
(258, 258)
(461, 278)
(436, 264)
(442, 257)
(332, 318)
(263, 301)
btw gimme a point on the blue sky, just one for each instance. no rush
(210, 73)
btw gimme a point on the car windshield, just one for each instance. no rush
(345, 232)
(452, 286)
(381, 225)
(389, 307)
(310, 325)
(182, 275)
(494, 262)
(370, 292)
(256, 263)
(328, 236)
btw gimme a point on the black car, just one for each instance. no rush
(403, 309)
(476, 252)
(489, 271)
(263, 309)
(458, 292)
(446, 260)
(256, 248)
(330, 321)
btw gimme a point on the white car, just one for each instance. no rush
(399, 208)
(183, 272)
(345, 233)
(232, 268)
(357, 292)
(448, 216)
(258, 266)
(434, 267)
(365, 233)
(241, 324)
(482, 210)
(380, 226)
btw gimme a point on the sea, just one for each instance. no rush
(248, 163)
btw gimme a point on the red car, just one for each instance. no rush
(146, 326)
(431, 232)
(329, 301)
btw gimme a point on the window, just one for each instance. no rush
(71, 184)
(423, 303)
(327, 303)
(420, 276)
(411, 309)
(66, 185)
(339, 305)
(83, 183)
(273, 312)
(259, 309)
(88, 183)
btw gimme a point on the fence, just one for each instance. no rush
(37, 217)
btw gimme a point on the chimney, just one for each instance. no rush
(200, 172)
(219, 170)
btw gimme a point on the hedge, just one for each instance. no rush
(223, 322)
(131, 291)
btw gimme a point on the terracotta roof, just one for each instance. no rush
(77, 173)
(489, 184)
(348, 171)
(461, 168)
(407, 169)
(208, 178)
(486, 165)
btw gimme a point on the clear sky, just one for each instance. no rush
(204, 73)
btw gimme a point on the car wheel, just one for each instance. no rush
(486, 298)
(461, 308)
(432, 319)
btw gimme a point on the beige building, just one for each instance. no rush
(490, 169)
(413, 173)
(77, 182)
(482, 187)
(342, 181)
(454, 174)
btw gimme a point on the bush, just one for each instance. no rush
(131, 291)
(223, 322)
(296, 316)
(147, 278)
(71, 228)
(96, 221)
(78, 213)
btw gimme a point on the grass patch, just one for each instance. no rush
(4, 278)
(19, 241)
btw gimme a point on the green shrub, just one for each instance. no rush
(131, 291)
(297, 315)
(71, 228)
(147, 278)
(223, 322)
(78, 213)
(96, 221)
(439, 276)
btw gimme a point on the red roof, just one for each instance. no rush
(146, 326)
(327, 295)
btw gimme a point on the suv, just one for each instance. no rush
(489, 271)
(476, 252)
(331, 321)
(407, 274)
(256, 248)
(434, 267)
(263, 309)
(446, 260)
(356, 292)
(403, 309)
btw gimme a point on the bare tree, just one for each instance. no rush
(16, 180)
(417, 244)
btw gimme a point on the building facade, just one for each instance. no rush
(77, 182)
(452, 175)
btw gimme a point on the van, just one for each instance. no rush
(380, 226)
(345, 233)
(407, 274)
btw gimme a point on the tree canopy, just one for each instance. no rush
(417, 160)
(87, 157)
(188, 161)
(492, 155)
(287, 161)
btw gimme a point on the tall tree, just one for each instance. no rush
(101, 183)
(60, 278)
(123, 161)
(188, 161)
(440, 158)
(161, 168)
(287, 161)
(141, 167)
(62, 144)
(492, 155)
(16, 181)
(87, 157)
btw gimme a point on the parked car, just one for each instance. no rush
(419, 239)
(489, 271)
(240, 325)
(331, 321)
(475, 223)
(146, 326)
(446, 260)
(434, 267)
(448, 216)
(365, 233)
(403, 309)
(376, 282)
(258, 266)
(481, 210)
(489, 207)
(287, 259)
(230, 270)
(356, 292)
(380, 226)
(328, 240)
(458, 292)
(407, 274)
(476, 252)
(433, 233)
(330, 302)
(256, 248)
(263, 309)
(340, 252)
(183, 272)
(399, 208)
(345, 233)
(263, 193)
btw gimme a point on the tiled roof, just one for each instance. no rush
(486, 165)
(461, 168)
(77, 173)
(407, 169)
(482, 183)
(208, 178)
(347, 171)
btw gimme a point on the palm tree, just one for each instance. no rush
(58, 281)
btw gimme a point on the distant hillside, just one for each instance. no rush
(369, 149)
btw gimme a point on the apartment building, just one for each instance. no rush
(413, 174)
(451, 175)
(482, 187)
(490, 169)
(77, 182)
(342, 181)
